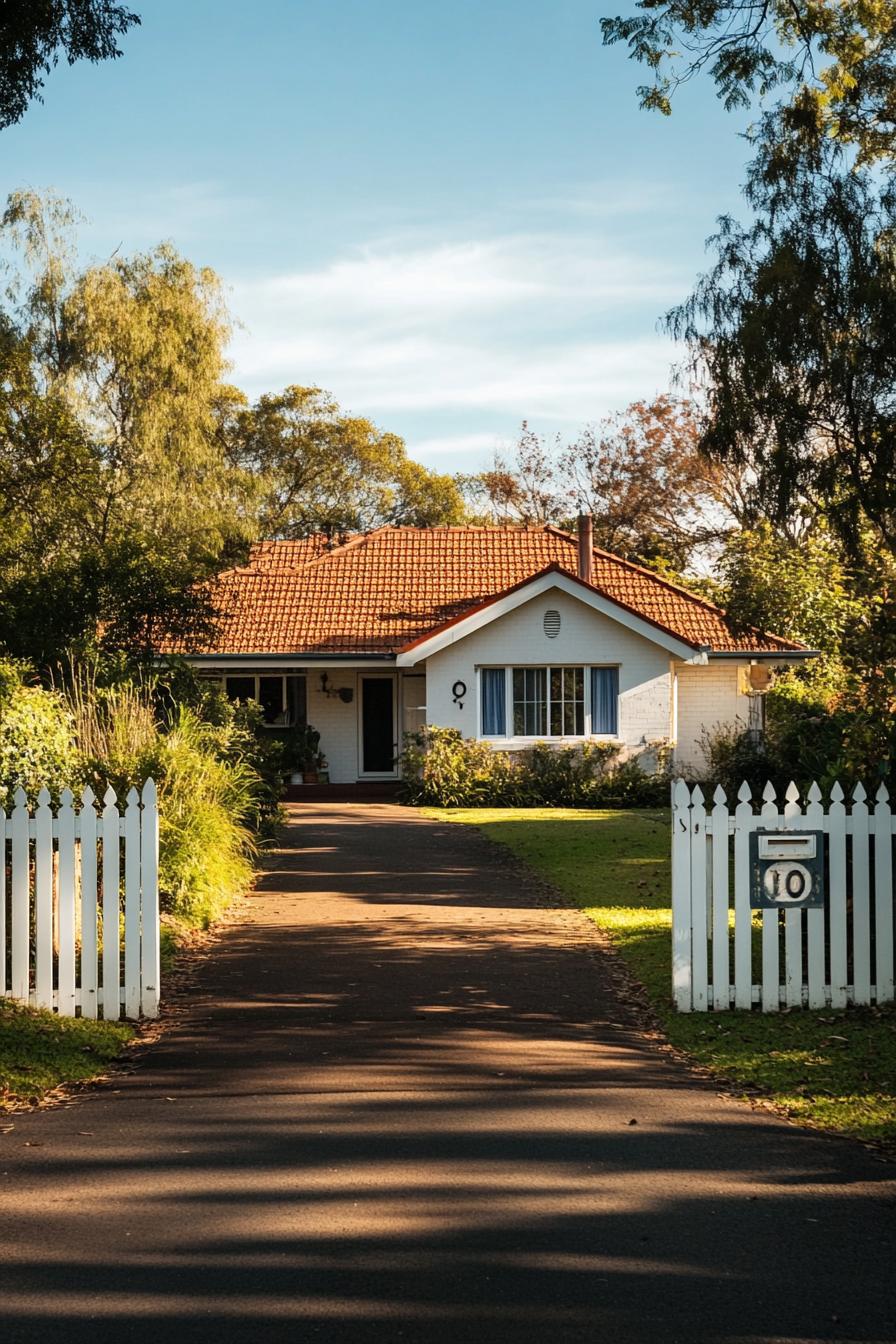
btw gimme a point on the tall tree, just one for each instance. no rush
(33, 35)
(652, 496)
(317, 469)
(793, 332)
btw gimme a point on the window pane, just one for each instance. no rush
(240, 688)
(270, 697)
(493, 709)
(569, 717)
(529, 702)
(605, 700)
(296, 701)
(556, 718)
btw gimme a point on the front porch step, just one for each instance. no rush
(372, 791)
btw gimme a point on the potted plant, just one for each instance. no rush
(302, 756)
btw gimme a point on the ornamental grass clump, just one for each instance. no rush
(206, 845)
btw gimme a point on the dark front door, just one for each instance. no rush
(377, 726)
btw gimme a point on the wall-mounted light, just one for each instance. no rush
(344, 693)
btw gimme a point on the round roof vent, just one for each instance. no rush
(552, 624)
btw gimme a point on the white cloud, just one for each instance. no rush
(431, 338)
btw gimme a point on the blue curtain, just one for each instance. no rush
(494, 710)
(605, 700)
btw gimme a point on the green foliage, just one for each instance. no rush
(206, 804)
(442, 768)
(316, 469)
(37, 746)
(792, 332)
(797, 588)
(218, 776)
(32, 36)
(834, 62)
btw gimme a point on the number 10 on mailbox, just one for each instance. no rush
(786, 870)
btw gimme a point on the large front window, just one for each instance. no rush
(281, 697)
(549, 701)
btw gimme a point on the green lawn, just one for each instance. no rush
(39, 1051)
(835, 1070)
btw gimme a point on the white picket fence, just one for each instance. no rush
(726, 955)
(79, 904)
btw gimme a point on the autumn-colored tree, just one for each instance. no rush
(652, 497)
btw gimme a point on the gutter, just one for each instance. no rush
(765, 656)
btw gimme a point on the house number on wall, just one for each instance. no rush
(459, 690)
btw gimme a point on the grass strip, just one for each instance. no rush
(40, 1051)
(834, 1070)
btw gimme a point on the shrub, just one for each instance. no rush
(206, 807)
(37, 742)
(440, 767)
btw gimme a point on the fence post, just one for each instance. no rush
(698, 901)
(132, 905)
(793, 919)
(149, 864)
(20, 920)
(861, 899)
(111, 907)
(771, 969)
(743, 916)
(883, 896)
(721, 973)
(89, 921)
(65, 1001)
(43, 901)
(681, 896)
(815, 918)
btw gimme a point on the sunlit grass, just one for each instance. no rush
(834, 1070)
(39, 1051)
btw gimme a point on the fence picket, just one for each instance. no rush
(149, 865)
(837, 896)
(89, 921)
(20, 912)
(793, 920)
(111, 908)
(681, 896)
(815, 918)
(883, 897)
(721, 974)
(43, 901)
(861, 899)
(743, 919)
(699, 969)
(66, 887)
(771, 926)
(132, 905)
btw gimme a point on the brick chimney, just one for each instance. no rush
(586, 551)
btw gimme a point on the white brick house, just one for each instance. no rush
(513, 635)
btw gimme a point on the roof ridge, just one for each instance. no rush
(657, 578)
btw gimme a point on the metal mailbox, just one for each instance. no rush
(786, 870)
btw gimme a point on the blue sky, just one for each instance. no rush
(453, 217)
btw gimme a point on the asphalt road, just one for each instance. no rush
(403, 1103)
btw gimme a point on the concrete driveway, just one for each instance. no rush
(403, 1104)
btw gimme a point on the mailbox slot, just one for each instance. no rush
(784, 846)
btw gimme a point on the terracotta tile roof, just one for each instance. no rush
(380, 591)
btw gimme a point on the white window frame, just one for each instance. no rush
(509, 738)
